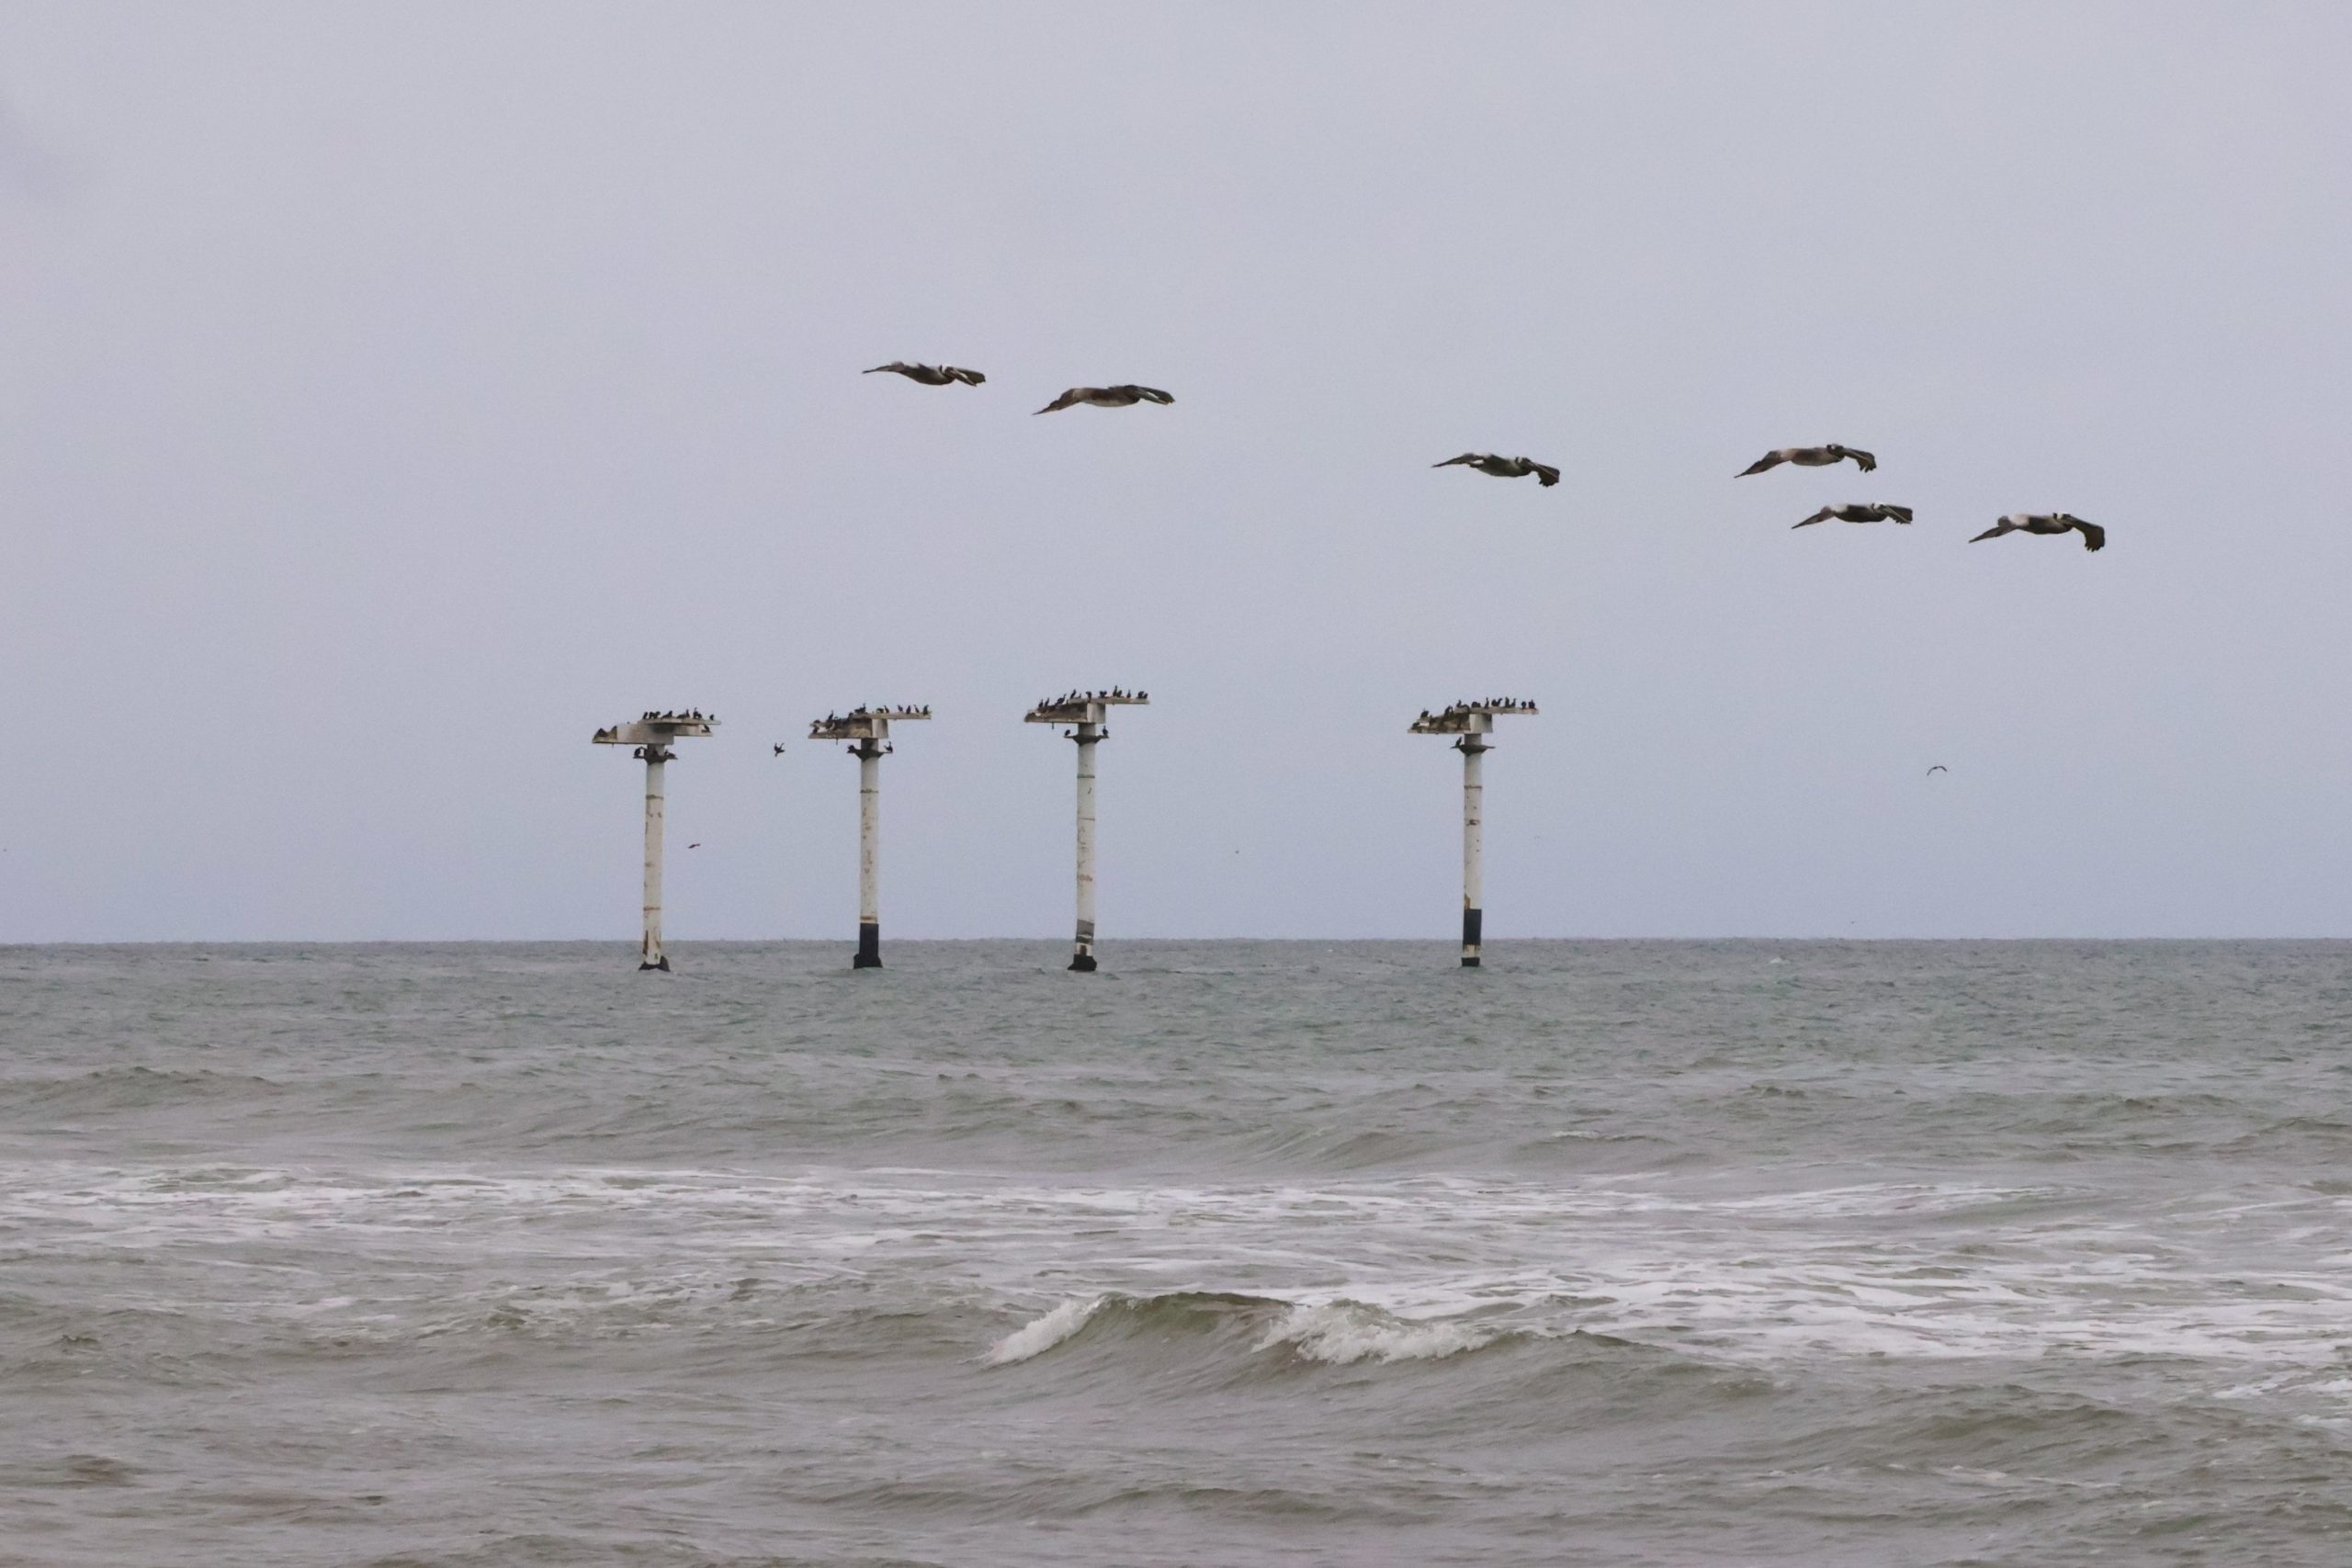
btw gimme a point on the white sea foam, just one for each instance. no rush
(1341, 1332)
(1041, 1334)
(1911, 1269)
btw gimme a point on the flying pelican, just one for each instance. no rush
(1860, 512)
(1505, 468)
(2093, 537)
(1809, 457)
(930, 375)
(1119, 396)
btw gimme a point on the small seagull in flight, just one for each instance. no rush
(1123, 396)
(930, 375)
(1859, 511)
(1809, 457)
(697, 844)
(1505, 468)
(2093, 537)
(1939, 768)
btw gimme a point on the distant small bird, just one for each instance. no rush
(1809, 457)
(1119, 396)
(930, 375)
(2093, 537)
(1939, 768)
(1859, 511)
(1505, 467)
(779, 750)
(694, 846)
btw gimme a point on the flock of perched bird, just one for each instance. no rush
(1128, 394)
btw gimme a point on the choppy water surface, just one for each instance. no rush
(1235, 1253)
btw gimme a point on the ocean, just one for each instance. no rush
(1235, 1253)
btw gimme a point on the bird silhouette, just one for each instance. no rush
(930, 375)
(1809, 457)
(1505, 468)
(1123, 396)
(2093, 537)
(1859, 511)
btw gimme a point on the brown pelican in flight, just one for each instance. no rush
(1860, 512)
(1505, 468)
(2093, 537)
(930, 375)
(1119, 396)
(1809, 457)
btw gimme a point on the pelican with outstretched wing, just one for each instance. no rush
(1859, 511)
(1505, 468)
(930, 375)
(1123, 396)
(1809, 457)
(2093, 537)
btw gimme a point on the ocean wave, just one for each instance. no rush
(131, 1089)
(532, 1548)
(1341, 1333)
(1041, 1334)
(1333, 1333)
(852, 1264)
(1116, 1315)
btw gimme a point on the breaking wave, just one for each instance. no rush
(1334, 1332)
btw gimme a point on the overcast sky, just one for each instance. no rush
(390, 395)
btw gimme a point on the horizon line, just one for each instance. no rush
(1132, 941)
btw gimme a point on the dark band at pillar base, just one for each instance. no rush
(869, 945)
(661, 963)
(1471, 920)
(1083, 961)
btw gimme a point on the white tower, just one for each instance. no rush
(867, 731)
(1470, 724)
(653, 735)
(1085, 713)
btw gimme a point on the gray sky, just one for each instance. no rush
(392, 394)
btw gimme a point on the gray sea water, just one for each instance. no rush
(1235, 1253)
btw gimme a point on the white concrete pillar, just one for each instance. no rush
(1474, 810)
(869, 856)
(1087, 737)
(655, 760)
